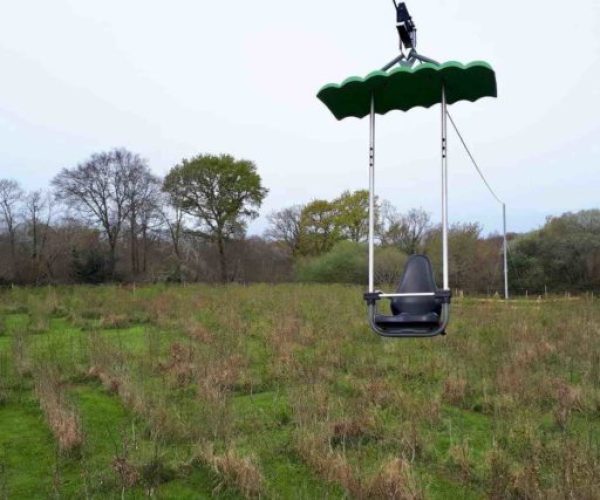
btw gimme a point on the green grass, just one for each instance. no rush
(283, 392)
(262, 419)
(27, 452)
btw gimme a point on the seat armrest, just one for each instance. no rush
(445, 296)
(371, 298)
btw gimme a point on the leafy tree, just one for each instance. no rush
(221, 193)
(562, 255)
(353, 215)
(314, 228)
(526, 267)
(320, 230)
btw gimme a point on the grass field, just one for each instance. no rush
(283, 392)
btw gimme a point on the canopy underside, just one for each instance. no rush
(406, 88)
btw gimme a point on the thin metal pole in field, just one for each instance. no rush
(506, 295)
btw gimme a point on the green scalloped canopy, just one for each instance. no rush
(406, 88)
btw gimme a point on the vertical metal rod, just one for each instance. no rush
(445, 190)
(372, 197)
(506, 296)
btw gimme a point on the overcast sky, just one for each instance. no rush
(172, 79)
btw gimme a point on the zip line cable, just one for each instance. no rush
(496, 197)
(473, 161)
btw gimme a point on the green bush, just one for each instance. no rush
(389, 266)
(347, 262)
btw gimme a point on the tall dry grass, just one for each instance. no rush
(61, 415)
(395, 481)
(234, 470)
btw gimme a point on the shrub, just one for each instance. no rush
(389, 265)
(90, 266)
(348, 263)
(345, 263)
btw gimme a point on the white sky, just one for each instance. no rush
(173, 79)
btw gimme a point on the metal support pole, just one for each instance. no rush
(414, 54)
(392, 63)
(445, 190)
(372, 197)
(506, 296)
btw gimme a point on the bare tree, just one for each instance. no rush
(173, 219)
(149, 220)
(465, 252)
(405, 231)
(39, 214)
(98, 190)
(65, 239)
(286, 227)
(11, 196)
(38, 206)
(142, 191)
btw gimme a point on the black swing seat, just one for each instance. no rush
(419, 315)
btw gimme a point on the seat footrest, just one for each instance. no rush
(407, 320)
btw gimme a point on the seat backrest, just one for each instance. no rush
(417, 278)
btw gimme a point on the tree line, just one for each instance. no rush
(110, 218)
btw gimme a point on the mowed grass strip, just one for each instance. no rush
(30, 463)
(120, 455)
